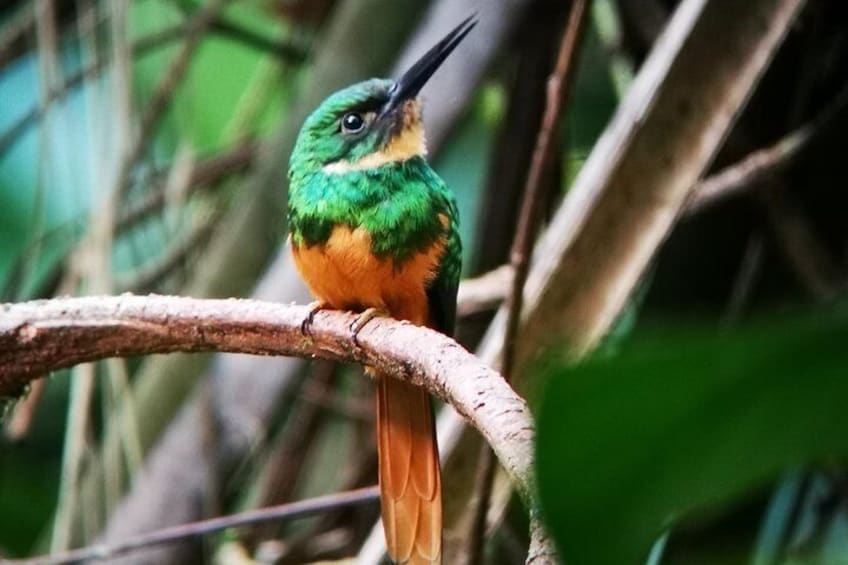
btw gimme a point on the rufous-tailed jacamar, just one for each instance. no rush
(374, 229)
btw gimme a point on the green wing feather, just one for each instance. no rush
(441, 295)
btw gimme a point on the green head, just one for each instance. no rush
(371, 123)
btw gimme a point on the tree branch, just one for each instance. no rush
(640, 173)
(41, 336)
(763, 164)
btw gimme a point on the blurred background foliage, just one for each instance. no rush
(710, 427)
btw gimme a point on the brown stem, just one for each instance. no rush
(288, 511)
(484, 292)
(163, 94)
(559, 87)
(289, 456)
(485, 480)
(765, 163)
(18, 425)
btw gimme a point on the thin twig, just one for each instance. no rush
(191, 33)
(204, 173)
(558, 90)
(284, 50)
(288, 458)
(797, 239)
(15, 27)
(299, 546)
(163, 93)
(76, 430)
(159, 39)
(149, 276)
(531, 57)
(73, 450)
(18, 425)
(765, 163)
(290, 511)
(99, 244)
(559, 87)
(91, 70)
(749, 270)
(484, 482)
(484, 292)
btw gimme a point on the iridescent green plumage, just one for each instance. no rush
(399, 203)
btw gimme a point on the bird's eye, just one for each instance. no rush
(352, 123)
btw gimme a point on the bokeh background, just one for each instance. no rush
(144, 146)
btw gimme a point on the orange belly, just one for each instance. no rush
(346, 275)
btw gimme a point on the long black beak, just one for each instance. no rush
(409, 85)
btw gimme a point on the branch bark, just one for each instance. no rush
(41, 336)
(637, 179)
(766, 163)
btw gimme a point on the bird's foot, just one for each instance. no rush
(314, 308)
(362, 319)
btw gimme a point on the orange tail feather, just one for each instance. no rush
(410, 482)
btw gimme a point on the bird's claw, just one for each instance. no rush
(314, 308)
(362, 319)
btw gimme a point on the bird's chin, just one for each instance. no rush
(400, 117)
(404, 132)
(408, 139)
(410, 114)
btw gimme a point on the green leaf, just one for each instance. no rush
(678, 426)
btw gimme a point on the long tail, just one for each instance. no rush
(410, 482)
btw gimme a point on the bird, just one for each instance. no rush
(373, 229)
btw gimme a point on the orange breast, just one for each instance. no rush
(346, 275)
